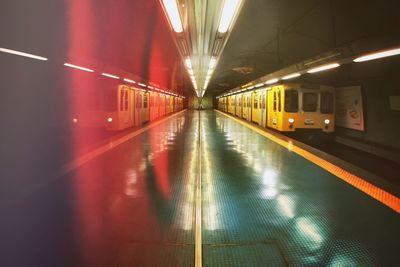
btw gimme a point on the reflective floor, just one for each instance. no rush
(262, 205)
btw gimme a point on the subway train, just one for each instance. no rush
(284, 107)
(120, 106)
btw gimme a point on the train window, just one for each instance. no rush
(255, 102)
(110, 100)
(274, 101)
(279, 101)
(326, 103)
(291, 100)
(126, 99)
(138, 101)
(145, 101)
(121, 100)
(310, 102)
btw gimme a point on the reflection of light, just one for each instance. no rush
(212, 219)
(78, 67)
(228, 11)
(23, 54)
(269, 192)
(270, 177)
(286, 206)
(270, 181)
(110, 75)
(309, 230)
(130, 188)
(173, 14)
(290, 146)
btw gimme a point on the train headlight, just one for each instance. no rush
(75, 120)
(291, 120)
(327, 121)
(109, 120)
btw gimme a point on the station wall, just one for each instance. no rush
(379, 80)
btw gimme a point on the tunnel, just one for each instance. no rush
(199, 133)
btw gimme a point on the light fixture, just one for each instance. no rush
(291, 120)
(291, 76)
(109, 75)
(129, 81)
(271, 81)
(173, 15)
(150, 87)
(249, 88)
(228, 12)
(18, 53)
(324, 67)
(213, 62)
(142, 84)
(259, 85)
(188, 63)
(382, 54)
(109, 119)
(327, 121)
(78, 67)
(209, 72)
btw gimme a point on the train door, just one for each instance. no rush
(254, 107)
(145, 107)
(244, 100)
(138, 107)
(238, 104)
(167, 104)
(162, 105)
(275, 107)
(248, 106)
(263, 108)
(157, 107)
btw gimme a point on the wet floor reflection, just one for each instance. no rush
(265, 192)
(132, 206)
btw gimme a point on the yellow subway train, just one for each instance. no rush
(121, 106)
(285, 107)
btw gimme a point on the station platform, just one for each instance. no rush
(201, 189)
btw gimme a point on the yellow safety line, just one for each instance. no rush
(373, 191)
(74, 164)
(198, 231)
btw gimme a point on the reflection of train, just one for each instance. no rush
(286, 107)
(122, 106)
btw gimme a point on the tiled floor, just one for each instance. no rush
(262, 205)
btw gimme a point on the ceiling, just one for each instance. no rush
(133, 38)
(270, 35)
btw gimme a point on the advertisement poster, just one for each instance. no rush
(349, 107)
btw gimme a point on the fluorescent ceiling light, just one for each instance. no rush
(259, 85)
(228, 11)
(150, 87)
(142, 84)
(129, 81)
(291, 76)
(188, 63)
(77, 67)
(18, 53)
(272, 81)
(173, 14)
(213, 62)
(110, 75)
(324, 67)
(249, 88)
(209, 72)
(382, 54)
